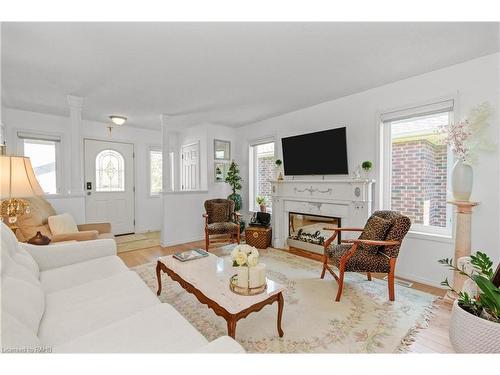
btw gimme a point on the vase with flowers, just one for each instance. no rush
(465, 138)
(250, 273)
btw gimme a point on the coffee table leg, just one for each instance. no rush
(231, 328)
(281, 302)
(158, 278)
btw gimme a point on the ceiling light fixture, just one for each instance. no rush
(118, 120)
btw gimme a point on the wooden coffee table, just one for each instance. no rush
(208, 279)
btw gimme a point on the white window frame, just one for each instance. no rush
(155, 149)
(198, 166)
(385, 158)
(52, 137)
(252, 171)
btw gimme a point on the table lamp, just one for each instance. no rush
(17, 181)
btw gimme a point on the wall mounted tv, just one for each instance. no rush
(319, 153)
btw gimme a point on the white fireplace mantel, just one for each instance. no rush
(347, 199)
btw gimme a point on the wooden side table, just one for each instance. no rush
(259, 237)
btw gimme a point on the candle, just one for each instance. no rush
(254, 277)
(243, 277)
(262, 273)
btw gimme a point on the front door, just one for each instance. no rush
(109, 184)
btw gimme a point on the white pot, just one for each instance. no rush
(461, 181)
(471, 334)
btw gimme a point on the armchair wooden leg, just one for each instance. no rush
(369, 276)
(340, 282)
(238, 236)
(325, 260)
(390, 278)
(207, 241)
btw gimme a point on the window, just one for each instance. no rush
(110, 171)
(43, 153)
(416, 167)
(155, 177)
(262, 170)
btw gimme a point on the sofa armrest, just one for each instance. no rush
(64, 254)
(86, 235)
(99, 227)
(223, 344)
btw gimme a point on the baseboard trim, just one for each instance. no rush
(418, 279)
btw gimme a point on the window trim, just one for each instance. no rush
(150, 149)
(57, 138)
(385, 159)
(252, 171)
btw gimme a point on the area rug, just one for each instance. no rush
(364, 321)
(137, 241)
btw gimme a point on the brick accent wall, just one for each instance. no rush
(419, 181)
(266, 173)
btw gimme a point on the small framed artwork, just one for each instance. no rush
(220, 172)
(222, 150)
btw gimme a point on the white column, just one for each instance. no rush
(75, 114)
(166, 183)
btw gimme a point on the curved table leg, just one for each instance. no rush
(158, 278)
(231, 328)
(281, 302)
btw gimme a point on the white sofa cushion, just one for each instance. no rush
(24, 300)
(73, 312)
(223, 344)
(158, 329)
(23, 258)
(17, 335)
(61, 224)
(81, 273)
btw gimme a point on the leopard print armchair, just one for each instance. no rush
(376, 249)
(221, 219)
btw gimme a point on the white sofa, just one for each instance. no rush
(80, 297)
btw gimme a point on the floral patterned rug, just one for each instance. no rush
(364, 321)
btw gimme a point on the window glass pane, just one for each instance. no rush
(264, 173)
(109, 170)
(419, 169)
(156, 171)
(43, 159)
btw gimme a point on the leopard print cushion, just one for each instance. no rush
(222, 228)
(362, 261)
(219, 210)
(375, 229)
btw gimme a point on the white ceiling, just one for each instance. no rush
(224, 73)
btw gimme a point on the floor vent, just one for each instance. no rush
(405, 283)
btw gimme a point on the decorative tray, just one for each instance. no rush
(233, 286)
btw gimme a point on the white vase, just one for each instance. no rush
(462, 178)
(471, 334)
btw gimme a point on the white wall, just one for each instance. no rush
(147, 208)
(183, 210)
(475, 81)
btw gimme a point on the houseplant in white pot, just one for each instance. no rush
(475, 316)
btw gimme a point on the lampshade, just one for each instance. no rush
(17, 178)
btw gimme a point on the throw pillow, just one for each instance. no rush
(220, 212)
(375, 229)
(60, 224)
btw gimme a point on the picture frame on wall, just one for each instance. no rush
(222, 150)
(220, 172)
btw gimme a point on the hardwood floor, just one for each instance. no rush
(433, 339)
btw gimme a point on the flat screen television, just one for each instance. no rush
(319, 153)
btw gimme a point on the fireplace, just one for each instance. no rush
(309, 231)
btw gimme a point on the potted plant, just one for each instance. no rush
(367, 166)
(261, 201)
(234, 180)
(278, 163)
(475, 316)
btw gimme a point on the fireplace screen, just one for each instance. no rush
(311, 229)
